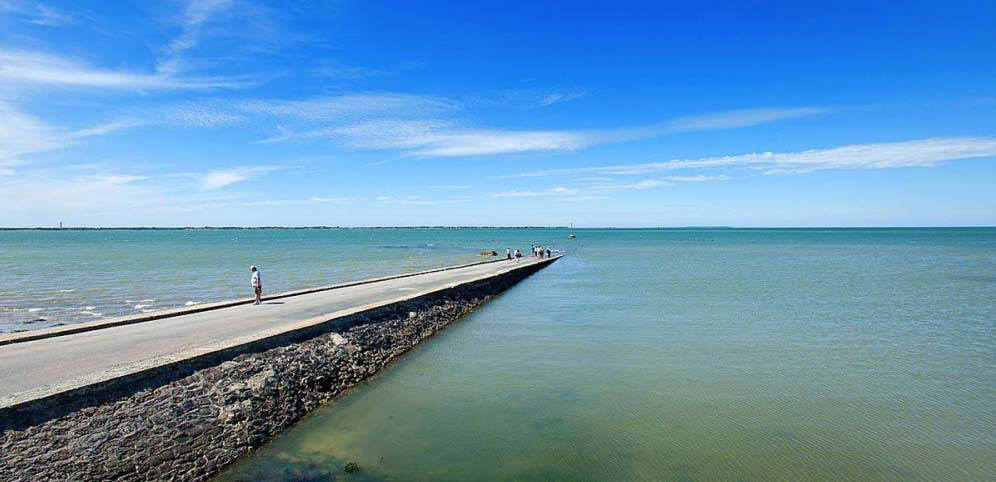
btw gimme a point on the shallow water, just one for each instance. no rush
(796, 355)
(694, 354)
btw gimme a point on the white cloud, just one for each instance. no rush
(50, 17)
(558, 97)
(40, 194)
(555, 191)
(351, 107)
(197, 115)
(334, 70)
(600, 186)
(295, 202)
(916, 153)
(443, 138)
(22, 134)
(224, 177)
(646, 184)
(651, 183)
(415, 200)
(34, 69)
(110, 179)
(739, 118)
(698, 178)
(105, 128)
(195, 15)
(425, 138)
(36, 13)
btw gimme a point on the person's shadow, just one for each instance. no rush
(273, 302)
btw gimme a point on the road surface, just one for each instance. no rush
(35, 369)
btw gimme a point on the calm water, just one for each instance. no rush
(796, 355)
(810, 355)
(70, 276)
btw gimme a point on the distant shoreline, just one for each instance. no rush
(219, 228)
(244, 228)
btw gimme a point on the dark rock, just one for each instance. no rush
(489, 253)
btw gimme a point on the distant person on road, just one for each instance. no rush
(508, 253)
(547, 252)
(518, 254)
(257, 284)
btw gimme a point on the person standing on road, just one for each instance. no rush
(257, 284)
(508, 253)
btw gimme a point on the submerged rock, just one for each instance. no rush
(489, 253)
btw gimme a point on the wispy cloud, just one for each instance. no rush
(916, 153)
(351, 107)
(739, 118)
(558, 97)
(337, 71)
(22, 134)
(36, 13)
(555, 191)
(224, 177)
(443, 139)
(526, 98)
(294, 202)
(427, 126)
(599, 188)
(419, 137)
(197, 114)
(416, 200)
(53, 193)
(35, 69)
(196, 14)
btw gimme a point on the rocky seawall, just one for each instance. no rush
(187, 424)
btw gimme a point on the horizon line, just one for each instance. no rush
(325, 227)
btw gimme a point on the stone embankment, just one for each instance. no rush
(189, 426)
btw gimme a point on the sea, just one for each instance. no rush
(695, 354)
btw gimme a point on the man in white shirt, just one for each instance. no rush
(257, 284)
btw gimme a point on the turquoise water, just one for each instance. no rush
(795, 355)
(69, 276)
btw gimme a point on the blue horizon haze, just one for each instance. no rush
(638, 114)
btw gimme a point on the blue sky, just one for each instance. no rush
(237, 112)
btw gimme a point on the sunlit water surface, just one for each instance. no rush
(795, 355)
(70, 276)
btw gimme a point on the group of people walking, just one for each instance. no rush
(538, 251)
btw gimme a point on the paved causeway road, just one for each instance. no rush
(38, 368)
